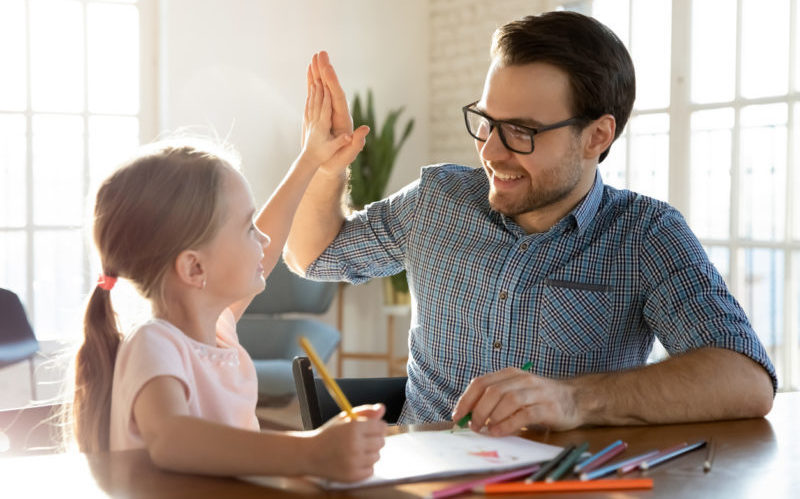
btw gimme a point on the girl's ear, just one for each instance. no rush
(600, 136)
(190, 269)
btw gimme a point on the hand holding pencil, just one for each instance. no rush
(347, 446)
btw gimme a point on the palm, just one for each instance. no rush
(321, 69)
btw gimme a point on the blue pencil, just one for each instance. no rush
(605, 470)
(598, 458)
(660, 459)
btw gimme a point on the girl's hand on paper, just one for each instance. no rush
(346, 450)
(507, 400)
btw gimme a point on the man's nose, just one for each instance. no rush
(494, 149)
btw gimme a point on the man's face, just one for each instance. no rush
(534, 95)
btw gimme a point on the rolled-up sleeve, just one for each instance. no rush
(372, 242)
(688, 305)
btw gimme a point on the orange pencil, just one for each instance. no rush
(566, 486)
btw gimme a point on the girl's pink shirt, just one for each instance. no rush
(220, 382)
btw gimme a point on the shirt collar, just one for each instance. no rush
(583, 214)
(586, 210)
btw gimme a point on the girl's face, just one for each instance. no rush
(234, 256)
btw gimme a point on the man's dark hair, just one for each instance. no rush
(599, 67)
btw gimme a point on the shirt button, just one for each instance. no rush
(503, 295)
(523, 246)
(497, 345)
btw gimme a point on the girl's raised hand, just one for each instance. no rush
(346, 450)
(333, 109)
(319, 143)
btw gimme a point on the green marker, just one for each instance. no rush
(462, 423)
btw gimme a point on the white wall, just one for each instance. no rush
(239, 66)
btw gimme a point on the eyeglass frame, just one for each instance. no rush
(532, 131)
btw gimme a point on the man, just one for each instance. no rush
(532, 258)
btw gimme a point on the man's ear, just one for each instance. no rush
(190, 269)
(600, 135)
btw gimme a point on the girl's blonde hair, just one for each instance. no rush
(159, 204)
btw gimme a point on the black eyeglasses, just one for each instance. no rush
(515, 137)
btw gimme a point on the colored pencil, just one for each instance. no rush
(601, 457)
(468, 416)
(568, 463)
(633, 466)
(550, 465)
(462, 487)
(330, 383)
(566, 486)
(666, 457)
(709, 456)
(610, 468)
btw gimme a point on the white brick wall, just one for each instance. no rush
(460, 38)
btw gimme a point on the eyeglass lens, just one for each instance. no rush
(514, 137)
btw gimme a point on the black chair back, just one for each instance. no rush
(317, 406)
(17, 341)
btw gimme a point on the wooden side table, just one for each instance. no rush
(395, 366)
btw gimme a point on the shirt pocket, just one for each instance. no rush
(575, 316)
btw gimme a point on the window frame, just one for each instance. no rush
(148, 125)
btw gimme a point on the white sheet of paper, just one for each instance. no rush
(422, 455)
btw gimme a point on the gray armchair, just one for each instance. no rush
(270, 328)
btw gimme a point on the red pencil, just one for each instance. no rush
(566, 486)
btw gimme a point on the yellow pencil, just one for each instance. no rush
(330, 383)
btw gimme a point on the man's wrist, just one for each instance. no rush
(589, 402)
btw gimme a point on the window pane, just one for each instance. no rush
(56, 55)
(713, 50)
(762, 298)
(12, 55)
(12, 170)
(796, 174)
(615, 15)
(58, 283)
(649, 163)
(13, 262)
(111, 140)
(710, 167)
(720, 256)
(651, 37)
(795, 311)
(613, 167)
(113, 41)
(58, 170)
(797, 50)
(765, 47)
(763, 172)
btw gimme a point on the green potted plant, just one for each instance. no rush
(370, 171)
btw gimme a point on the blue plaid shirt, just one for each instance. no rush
(587, 296)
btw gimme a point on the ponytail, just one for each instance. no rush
(94, 374)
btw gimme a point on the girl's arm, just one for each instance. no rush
(319, 145)
(340, 450)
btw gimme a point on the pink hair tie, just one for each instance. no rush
(106, 282)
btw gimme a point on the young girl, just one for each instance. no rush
(178, 222)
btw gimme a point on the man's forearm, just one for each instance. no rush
(703, 385)
(318, 220)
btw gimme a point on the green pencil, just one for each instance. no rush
(568, 463)
(468, 416)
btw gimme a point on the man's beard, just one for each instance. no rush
(534, 199)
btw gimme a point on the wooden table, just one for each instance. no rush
(754, 458)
